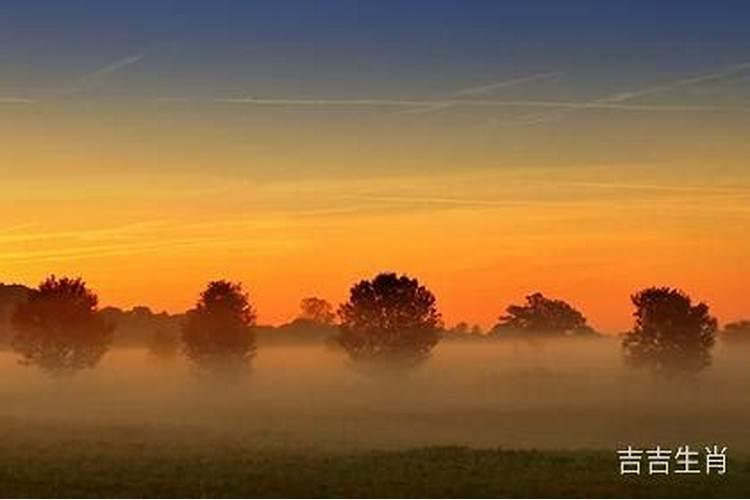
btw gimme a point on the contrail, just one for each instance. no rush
(657, 89)
(487, 89)
(114, 66)
(16, 100)
(330, 102)
(427, 105)
(624, 96)
(721, 190)
(438, 200)
(128, 231)
(89, 80)
(79, 252)
(430, 103)
(473, 202)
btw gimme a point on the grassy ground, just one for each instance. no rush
(97, 469)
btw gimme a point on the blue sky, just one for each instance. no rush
(210, 48)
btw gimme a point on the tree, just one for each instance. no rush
(541, 317)
(460, 329)
(317, 311)
(463, 331)
(218, 334)
(58, 328)
(739, 331)
(389, 321)
(671, 336)
(10, 297)
(136, 327)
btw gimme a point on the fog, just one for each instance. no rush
(551, 395)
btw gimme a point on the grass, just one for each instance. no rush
(94, 468)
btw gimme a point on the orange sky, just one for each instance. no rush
(299, 169)
(479, 239)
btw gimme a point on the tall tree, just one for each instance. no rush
(671, 336)
(541, 317)
(58, 328)
(389, 321)
(317, 310)
(218, 334)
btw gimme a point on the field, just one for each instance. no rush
(478, 420)
(123, 465)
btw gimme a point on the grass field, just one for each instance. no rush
(136, 469)
(476, 421)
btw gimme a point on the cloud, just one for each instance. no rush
(172, 99)
(620, 97)
(721, 190)
(106, 250)
(616, 101)
(330, 102)
(128, 231)
(431, 103)
(16, 100)
(658, 89)
(486, 89)
(437, 200)
(114, 66)
(93, 78)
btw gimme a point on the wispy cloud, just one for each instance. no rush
(93, 78)
(117, 65)
(722, 190)
(330, 102)
(467, 97)
(675, 84)
(489, 88)
(618, 101)
(129, 231)
(16, 100)
(439, 200)
(621, 97)
(105, 250)
(421, 105)
(16, 228)
(430, 103)
(486, 89)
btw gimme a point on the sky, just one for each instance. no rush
(491, 149)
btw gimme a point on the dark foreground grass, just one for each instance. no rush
(137, 470)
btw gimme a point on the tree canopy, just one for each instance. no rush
(58, 328)
(317, 310)
(217, 334)
(671, 335)
(389, 320)
(541, 317)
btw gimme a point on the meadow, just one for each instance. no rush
(478, 419)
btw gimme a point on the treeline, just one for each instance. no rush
(389, 322)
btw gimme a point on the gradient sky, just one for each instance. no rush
(493, 149)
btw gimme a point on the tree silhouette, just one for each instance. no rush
(58, 328)
(218, 334)
(463, 331)
(739, 331)
(389, 321)
(10, 297)
(541, 317)
(671, 336)
(317, 311)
